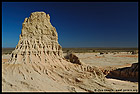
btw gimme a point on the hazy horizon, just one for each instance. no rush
(78, 24)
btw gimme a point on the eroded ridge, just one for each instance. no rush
(37, 63)
(38, 39)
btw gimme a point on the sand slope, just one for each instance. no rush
(49, 77)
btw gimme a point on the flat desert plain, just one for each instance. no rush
(108, 60)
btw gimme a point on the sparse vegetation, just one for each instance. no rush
(7, 50)
(134, 52)
(99, 50)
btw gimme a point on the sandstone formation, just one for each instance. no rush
(127, 73)
(38, 40)
(73, 58)
(107, 70)
(37, 63)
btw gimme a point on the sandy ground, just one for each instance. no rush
(111, 60)
(106, 60)
(123, 86)
(5, 57)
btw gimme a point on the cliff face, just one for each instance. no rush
(127, 73)
(38, 39)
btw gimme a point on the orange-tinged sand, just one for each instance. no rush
(126, 56)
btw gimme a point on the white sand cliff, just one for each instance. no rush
(37, 63)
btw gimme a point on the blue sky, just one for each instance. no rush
(78, 24)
